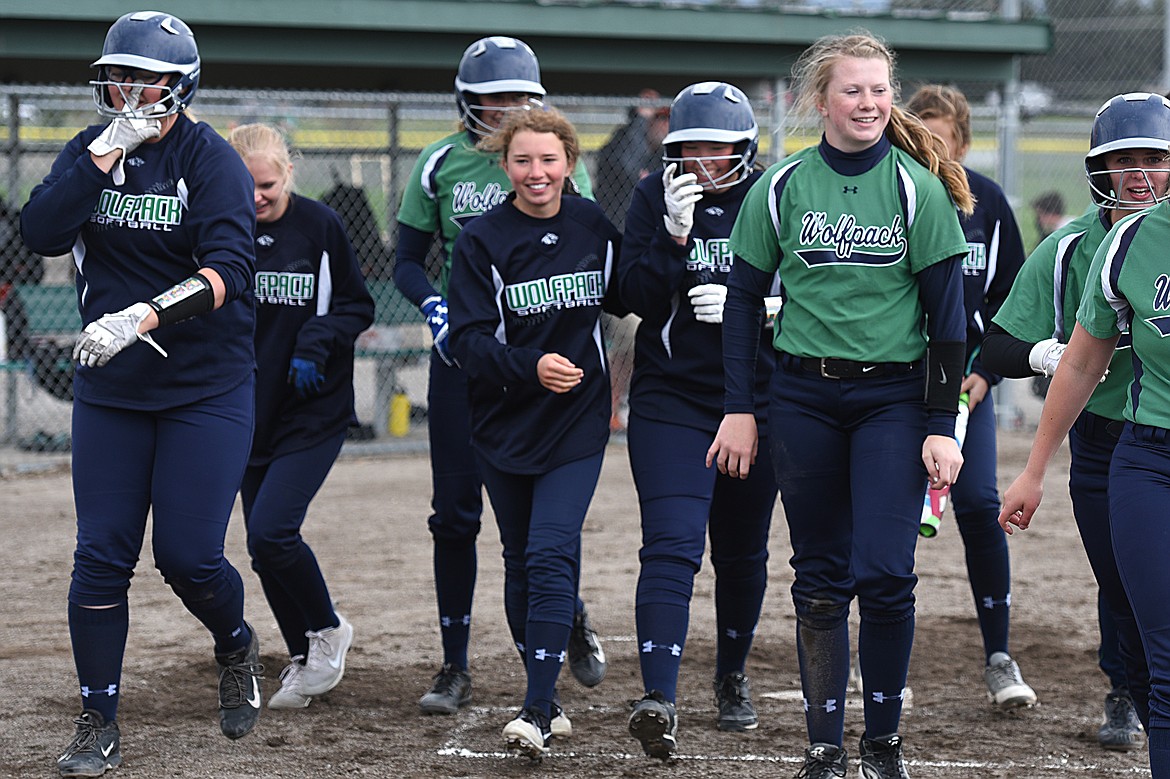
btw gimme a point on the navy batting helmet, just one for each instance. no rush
(493, 66)
(155, 42)
(1137, 120)
(715, 112)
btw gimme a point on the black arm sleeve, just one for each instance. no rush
(742, 312)
(1005, 354)
(410, 274)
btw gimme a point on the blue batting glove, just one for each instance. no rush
(306, 377)
(434, 309)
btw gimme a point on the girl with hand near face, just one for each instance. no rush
(528, 283)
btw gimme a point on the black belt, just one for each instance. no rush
(835, 368)
(1150, 434)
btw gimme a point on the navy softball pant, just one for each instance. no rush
(183, 465)
(976, 502)
(1122, 658)
(682, 501)
(456, 504)
(275, 497)
(848, 460)
(1139, 492)
(540, 518)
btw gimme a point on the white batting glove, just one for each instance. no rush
(1045, 356)
(126, 133)
(682, 192)
(110, 334)
(708, 300)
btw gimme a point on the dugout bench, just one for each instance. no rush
(46, 314)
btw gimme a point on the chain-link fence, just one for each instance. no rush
(356, 150)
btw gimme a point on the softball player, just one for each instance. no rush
(995, 253)
(869, 250)
(528, 281)
(1126, 168)
(311, 304)
(1125, 290)
(452, 183)
(156, 210)
(675, 261)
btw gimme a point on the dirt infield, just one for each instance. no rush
(367, 528)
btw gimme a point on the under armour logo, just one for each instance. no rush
(848, 190)
(650, 646)
(829, 706)
(715, 211)
(881, 697)
(734, 634)
(544, 654)
(448, 622)
(266, 240)
(136, 162)
(991, 603)
(112, 690)
(550, 239)
(520, 647)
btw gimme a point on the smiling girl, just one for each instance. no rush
(872, 313)
(528, 283)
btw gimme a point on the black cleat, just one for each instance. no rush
(586, 657)
(96, 747)
(881, 758)
(733, 696)
(655, 723)
(450, 689)
(823, 761)
(239, 689)
(1122, 730)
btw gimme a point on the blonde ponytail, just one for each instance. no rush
(909, 134)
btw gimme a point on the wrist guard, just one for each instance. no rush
(190, 297)
(944, 375)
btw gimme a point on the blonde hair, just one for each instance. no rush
(812, 73)
(938, 101)
(537, 120)
(264, 141)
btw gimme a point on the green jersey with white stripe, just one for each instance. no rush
(1128, 288)
(1047, 292)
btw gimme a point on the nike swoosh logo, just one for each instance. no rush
(942, 375)
(254, 698)
(106, 750)
(335, 662)
(868, 368)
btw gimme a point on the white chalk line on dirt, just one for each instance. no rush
(473, 716)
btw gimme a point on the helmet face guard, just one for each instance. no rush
(1133, 121)
(141, 45)
(714, 112)
(494, 66)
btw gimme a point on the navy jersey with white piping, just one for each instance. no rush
(678, 370)
(186, 204)
(995, 253)
(522, 287)
(311, 303)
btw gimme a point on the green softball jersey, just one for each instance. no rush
(453, 182)
(1128, 288)
(847, 244)
(1047, 292)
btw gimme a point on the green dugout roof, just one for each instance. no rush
(584, 47)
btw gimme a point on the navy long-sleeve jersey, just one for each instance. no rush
(678, 367)
(995, 254)
(522, 287)
(186, 204)
(311, 303)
